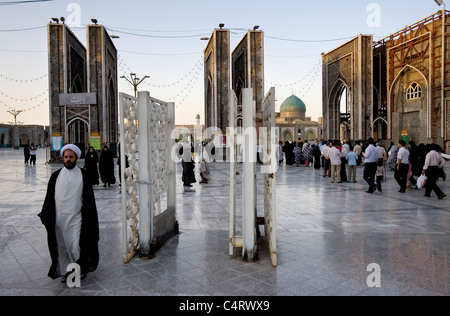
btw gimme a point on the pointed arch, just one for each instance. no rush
(427, 94)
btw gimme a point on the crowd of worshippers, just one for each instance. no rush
(340, 160)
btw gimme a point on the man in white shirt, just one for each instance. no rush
(382, 152)
(401, 172)
(433, 162)
(326, 160)
(335, 156)
(370, 165)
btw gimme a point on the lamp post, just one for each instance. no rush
(15, 113)
(134, 81)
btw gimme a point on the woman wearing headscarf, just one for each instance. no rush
(392, 156)
(90, 166)
(316, 154)
(106, 166)
(307, 154)
(298, 154)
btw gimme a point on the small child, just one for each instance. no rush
(380, 174)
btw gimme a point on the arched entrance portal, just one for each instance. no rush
(3, 140)
(78, 134)
(380, 129)
(347, 74)
(410, 105)
(340, 107)
(344, 112)
(310, 135)
(287, 136)
(24, 139)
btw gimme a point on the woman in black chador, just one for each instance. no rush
(90, 166)
(106, 166)
(26, 153)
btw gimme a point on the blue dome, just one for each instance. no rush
(293, 104)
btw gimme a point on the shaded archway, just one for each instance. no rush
(24, 139)
(3, 140)
(380, 129)
(340, 109)
(78, 134)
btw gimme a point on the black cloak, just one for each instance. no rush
(89, 237)
(106, 167)
(90, 166)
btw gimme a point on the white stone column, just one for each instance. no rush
(248, 181)
(144, 174)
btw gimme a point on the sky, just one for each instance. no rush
(162, 39)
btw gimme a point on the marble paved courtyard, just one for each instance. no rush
(328, 235)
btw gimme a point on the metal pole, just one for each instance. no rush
(15, 113)
(135, 82)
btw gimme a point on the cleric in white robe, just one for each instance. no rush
(70, 217)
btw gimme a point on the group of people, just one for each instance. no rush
(299, 153)
(409, 162)
(30, 154)
(186, 152)
(105, 165)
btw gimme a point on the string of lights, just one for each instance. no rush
(23, 80)
(27, 109)
(24, 100)
(303, 89)
(126, 69)
(297, 82)
(192, 71)
(189, 88)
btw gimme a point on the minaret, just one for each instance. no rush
(198, 133)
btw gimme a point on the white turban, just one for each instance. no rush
(73, 148)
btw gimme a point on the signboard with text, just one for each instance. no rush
(77, 99)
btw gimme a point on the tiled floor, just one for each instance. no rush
(328, 234)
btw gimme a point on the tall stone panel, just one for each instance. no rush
(248, 69)
(67, 74)
(217, 80)
(103, 80)
(83, 87)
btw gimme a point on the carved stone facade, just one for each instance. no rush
(348, 68)
(398, 84)
(246, 69)
(21, 135)
(73, 69)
